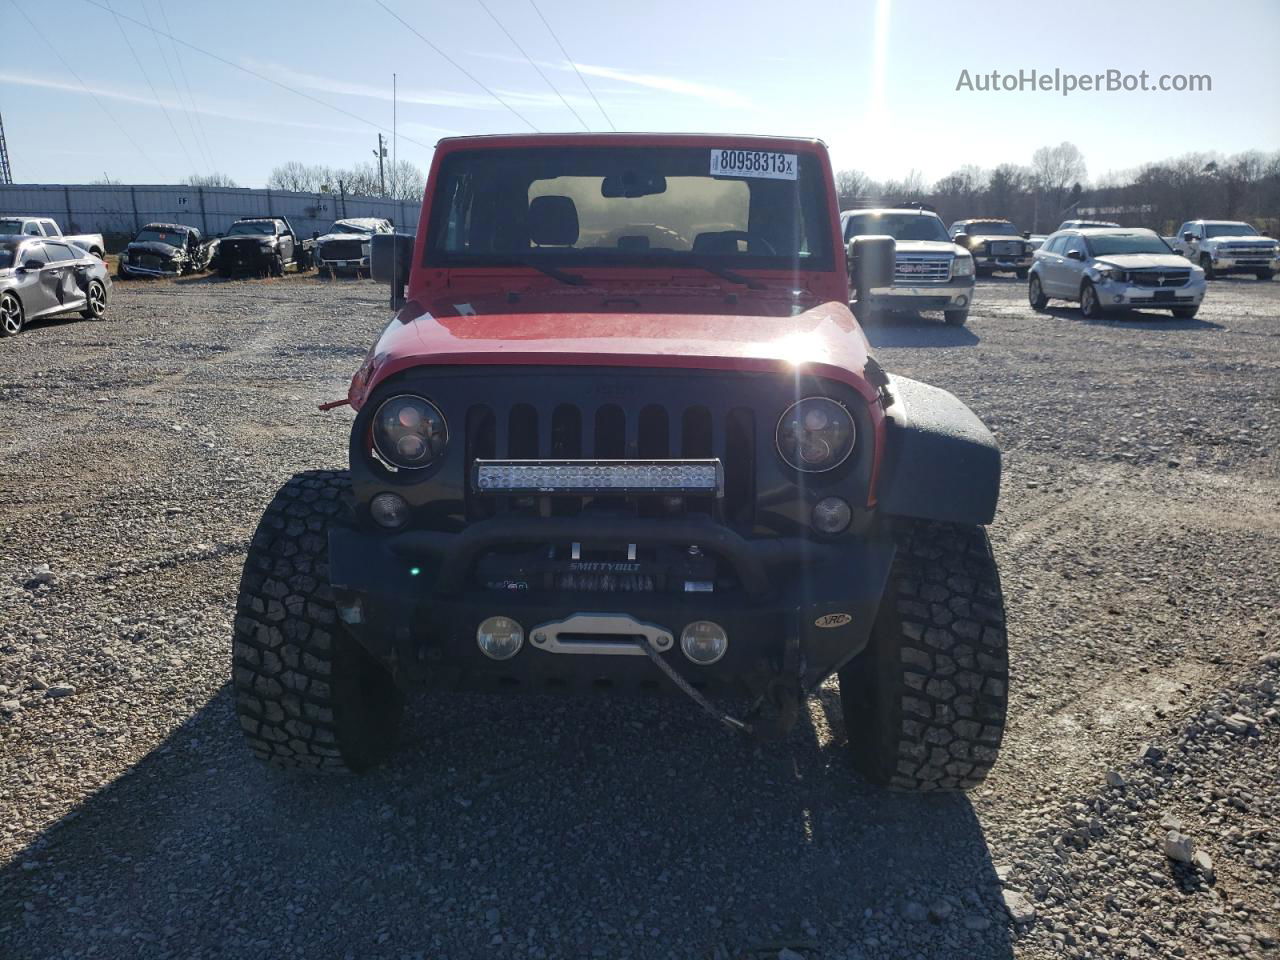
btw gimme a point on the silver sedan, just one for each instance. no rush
(1109, 270)
(46, 277)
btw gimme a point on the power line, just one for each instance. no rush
(182, 70)
(254, 73)
(459, 67)
(573, 64)
(84, 86)
(532, 63)
(136, 59)
(164, 58)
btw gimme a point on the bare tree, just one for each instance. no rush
(214, 179)
(302, 177)
(851, 186)
(405, 181)
(907, 190)
(1056, 170)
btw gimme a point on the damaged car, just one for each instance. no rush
(345, 248)
(165, 250)
(263, 247)
(43, 278)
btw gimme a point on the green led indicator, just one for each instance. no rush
(414, 571)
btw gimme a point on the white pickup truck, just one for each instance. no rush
(44, 227)
(1227, 246)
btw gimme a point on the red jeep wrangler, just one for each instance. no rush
(625, 433)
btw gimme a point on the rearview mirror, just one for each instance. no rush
(962, 239)
(1074, 255)
(30, 265)
(870, 260)
(1188, 237)
(390, 257)
(632, 184)
(1026, 234)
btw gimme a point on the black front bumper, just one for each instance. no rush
(412, 601)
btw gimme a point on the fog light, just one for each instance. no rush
(831, 515)
(499, 638)
(962, 301)
(389, 510)
(704, 642)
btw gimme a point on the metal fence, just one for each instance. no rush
(119, 211)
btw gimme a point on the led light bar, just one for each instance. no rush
(581, 477)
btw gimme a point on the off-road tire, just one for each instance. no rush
(1035, 295)
(1206, 264)
(924, 705)
(955, 318)
(307, 695)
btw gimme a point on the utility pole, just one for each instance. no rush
(381, 153)
(6, 174)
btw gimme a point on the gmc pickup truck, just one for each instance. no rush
(44, 227)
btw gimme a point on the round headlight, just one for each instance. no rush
(816, 434)
(704, 642)
(409, 432)
(499, 638)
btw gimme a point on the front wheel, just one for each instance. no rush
(1185, 313)
(1020, 274)
(1090, 305)
(955, 318)
(924, 705)
(307, 695)
(12, 319)
(1035, 294)
(1206, 264)
(276, 268)
(95, 301)
(1265, 274)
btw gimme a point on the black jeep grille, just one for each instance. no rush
(613, 431)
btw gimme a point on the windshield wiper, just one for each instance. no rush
(572, 279)
(730, 276)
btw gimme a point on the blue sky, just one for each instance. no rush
(876, 79)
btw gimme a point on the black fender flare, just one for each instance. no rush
(940, 461)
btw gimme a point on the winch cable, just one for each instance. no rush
(733, 723)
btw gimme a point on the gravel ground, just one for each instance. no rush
(1138, 538)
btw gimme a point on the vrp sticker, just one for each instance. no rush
(833, 620)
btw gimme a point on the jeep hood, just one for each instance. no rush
(1145, 261)
(824, 340)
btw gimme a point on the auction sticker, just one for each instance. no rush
(753, 163)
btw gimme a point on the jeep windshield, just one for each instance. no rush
(636, 207)
(1115, 244)
(257, 228)
(987, 228)
(1229, 230)
(900, 226)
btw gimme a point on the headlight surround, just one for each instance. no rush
(816, 434)
(1111, 274)
(962, 266)
(409, 433)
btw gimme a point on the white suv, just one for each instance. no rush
(1228, 246)
(1113, 269)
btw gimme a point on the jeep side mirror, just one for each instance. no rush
(1074, 255)
(1188, 237)
(870, 260)
(390, 257)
